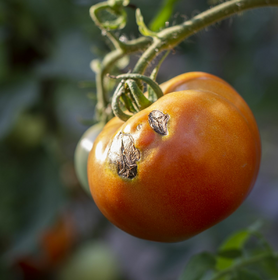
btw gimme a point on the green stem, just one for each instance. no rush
(246, 262)
(164, 40)
(153, 84)
(129, 103)
(172, 36)
(109, 60)
(135, 45)
(116, 103)
(141, 100)
(151, 94)
(156, 69)
(105, 26)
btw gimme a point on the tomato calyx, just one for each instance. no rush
(129, 97)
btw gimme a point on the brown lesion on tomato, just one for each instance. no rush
(124, 155)
(158, 122)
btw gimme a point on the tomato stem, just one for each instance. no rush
(152, 43)
(172, 36)
(109, 60)
(140, 100)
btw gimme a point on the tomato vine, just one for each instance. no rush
(152, 43)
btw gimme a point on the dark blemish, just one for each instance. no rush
(158, 122)
(124, 155)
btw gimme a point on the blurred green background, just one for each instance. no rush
(49, 227)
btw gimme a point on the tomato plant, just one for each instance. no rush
(179, 166)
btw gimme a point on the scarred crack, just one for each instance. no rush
(124, 155)
(158, 121)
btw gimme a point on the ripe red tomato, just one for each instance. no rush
(179, 166)
(52, 247)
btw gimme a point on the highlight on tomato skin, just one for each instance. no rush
(179, 166)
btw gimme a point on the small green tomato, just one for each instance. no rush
(82, 151)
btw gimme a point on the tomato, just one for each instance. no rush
(52, 247)
(82, 151)
(90, 261)
(179, 166)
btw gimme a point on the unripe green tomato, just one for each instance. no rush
(91, 261)
(82, 151)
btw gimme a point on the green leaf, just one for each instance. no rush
(223, 263)
(197, 266)
(270, 266)
(163, 15)
(230, 253)
(245, 274)
(232, 247)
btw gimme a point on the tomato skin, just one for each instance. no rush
(191, 178)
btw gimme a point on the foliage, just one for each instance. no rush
(163, 15)
(244, 255)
